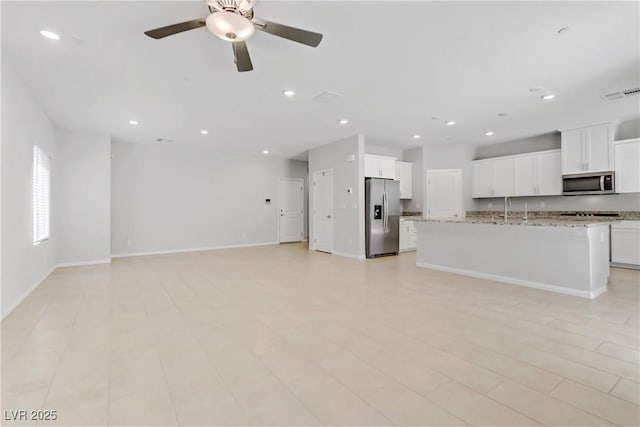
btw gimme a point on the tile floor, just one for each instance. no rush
(282, 336)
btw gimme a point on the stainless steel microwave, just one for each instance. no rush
(588, 183)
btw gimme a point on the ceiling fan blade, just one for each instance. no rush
(170, 30)
(294, 34)
(241, 56)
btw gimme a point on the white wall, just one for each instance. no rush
(169, 197)
(84, 197)
(380, 150)
(348, 208)
(24, 124)
(549, 141)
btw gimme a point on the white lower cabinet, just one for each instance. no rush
(408, 235)
(625, 243)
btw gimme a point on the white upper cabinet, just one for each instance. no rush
(379, 166)
(588, 149)
(492, 177)
(524, 173)
(482, 172)
(627, 166)
(404, 174)
(549, 173)
(538, 174)
(503, 177)
(573, 151)
(532, 174)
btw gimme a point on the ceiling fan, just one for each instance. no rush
(233, 21)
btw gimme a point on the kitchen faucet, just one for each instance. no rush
(507, 203)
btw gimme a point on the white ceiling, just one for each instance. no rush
(396, 64)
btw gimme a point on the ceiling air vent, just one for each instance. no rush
(623, 94)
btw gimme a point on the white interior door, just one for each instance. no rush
(444, 193)
(290, 209)
(323, 210)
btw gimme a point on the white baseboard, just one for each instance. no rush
(519, 282)
(346, 255)
(82, 263)
(621, 265)
(26, 293)
(180, 251)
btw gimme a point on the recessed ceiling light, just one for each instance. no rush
(344, 121)
(563, 30)
(489, 133)
(451, 122)
(416, 136)
(204, 132)
(133, 122)
(50, 35)
(548, 96)
(265, 152)
(289, 92)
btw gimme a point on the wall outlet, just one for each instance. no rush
(129, 242)
(244, 234)
(489, 205)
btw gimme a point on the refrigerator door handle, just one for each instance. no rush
(385, 213)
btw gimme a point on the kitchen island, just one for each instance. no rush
(569, 257)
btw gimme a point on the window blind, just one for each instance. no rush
(41, 199)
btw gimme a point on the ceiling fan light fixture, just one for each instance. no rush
(230, 26)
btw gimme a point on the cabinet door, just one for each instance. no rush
(598, 148)
(503, 177)
(371, 167)
(404, 236)
(627, 167)
(387, 168)
(573, 159)
(524, 175)
(482, 175)
(413, 235)
(625, 242)
(549, 174)
(404, 174)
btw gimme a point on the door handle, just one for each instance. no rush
(602, 183)
(281, 214)
(385, 208)
(329, 216)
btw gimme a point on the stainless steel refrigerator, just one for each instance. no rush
(382, 217)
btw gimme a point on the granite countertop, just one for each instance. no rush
(538, 222)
